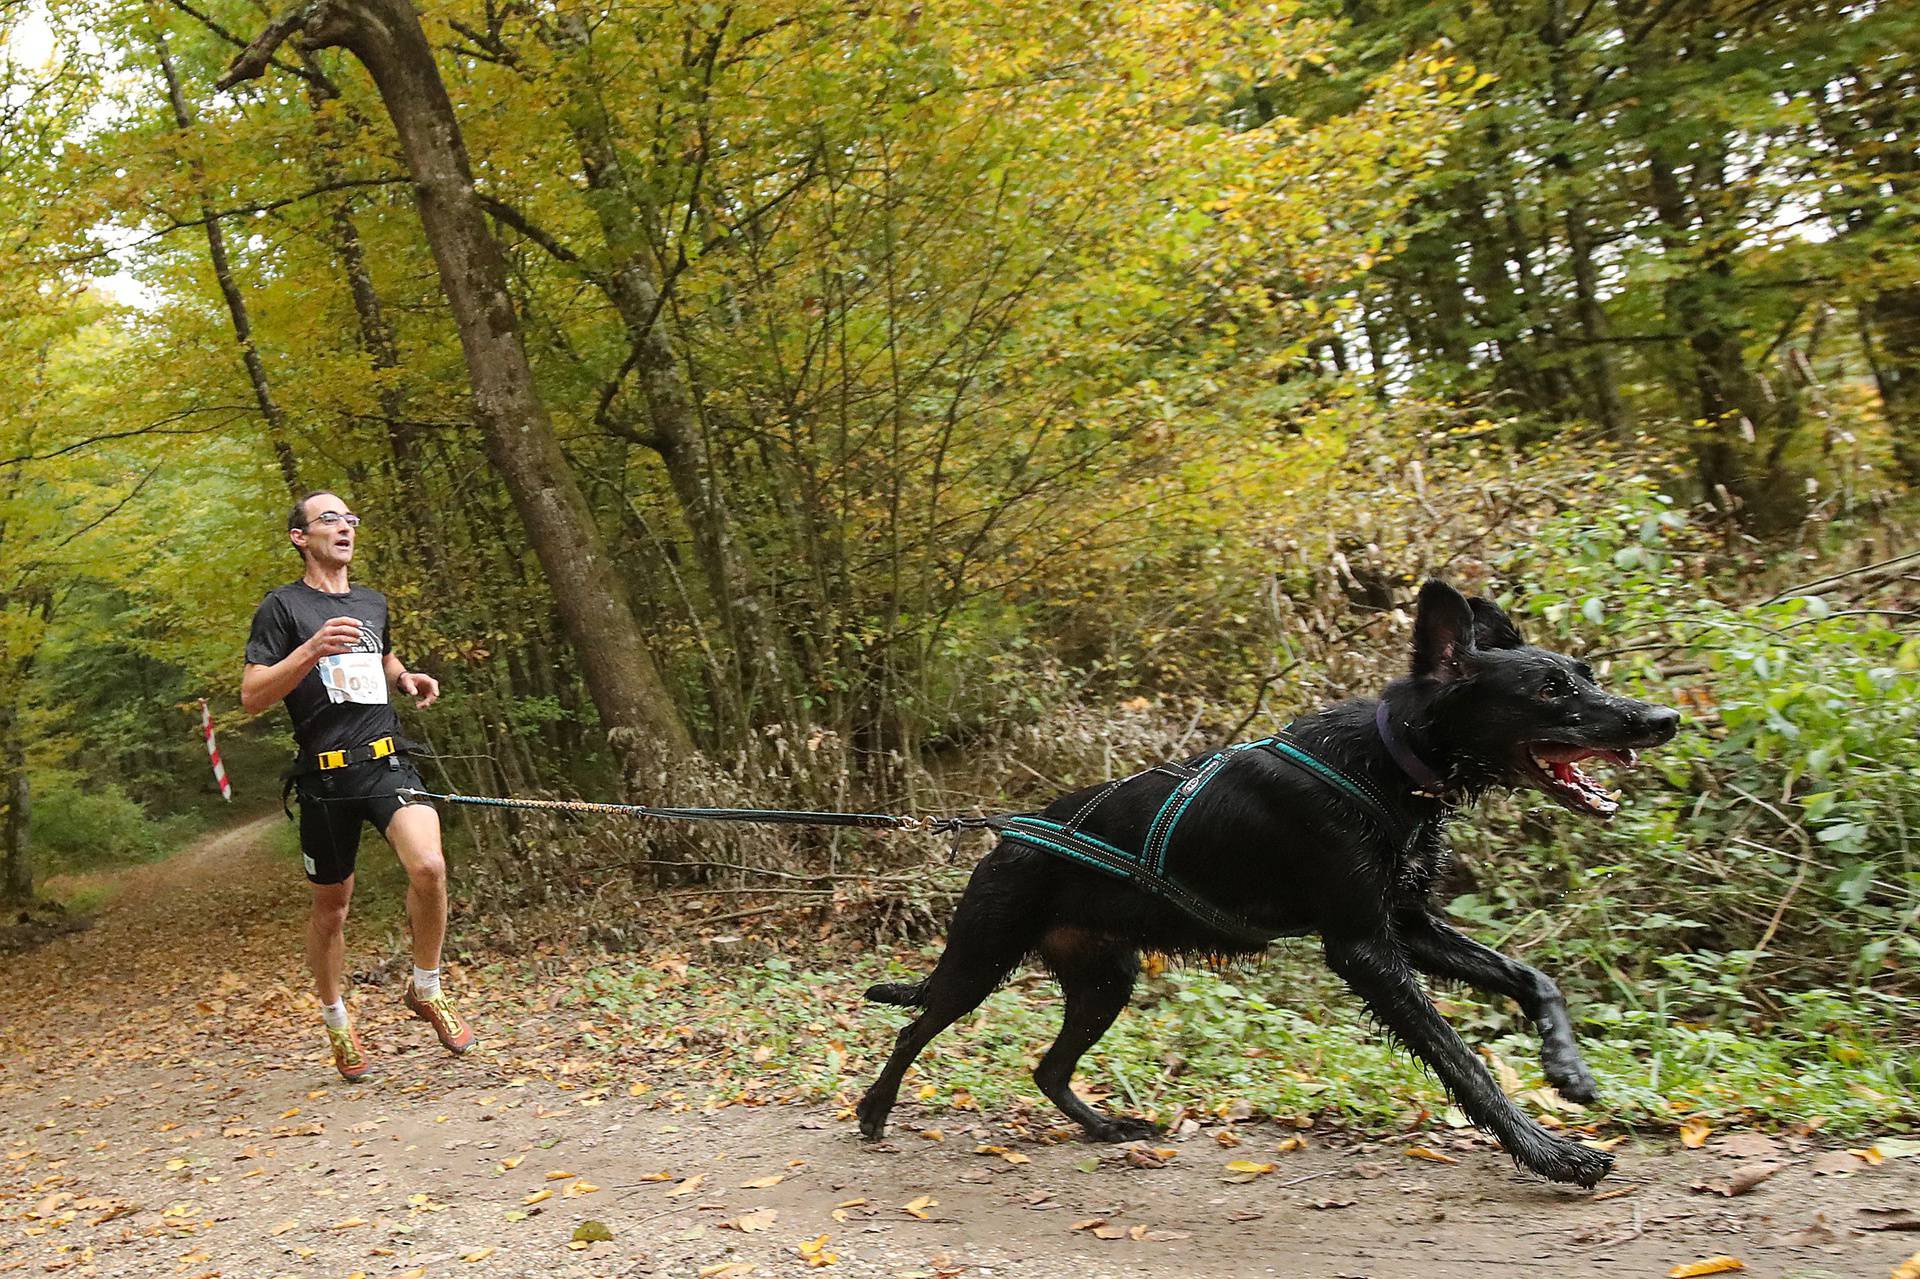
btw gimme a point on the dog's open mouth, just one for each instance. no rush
(1555, 769)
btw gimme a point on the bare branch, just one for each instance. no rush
(251, 62)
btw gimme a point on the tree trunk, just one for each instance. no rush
(642, 722)
(1893, 318)
(677, 433)
(236, 303)
(16, 866)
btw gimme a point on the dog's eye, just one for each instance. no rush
(1555, 688)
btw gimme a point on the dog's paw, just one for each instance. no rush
(1115, 1129)
(1570, 1077)
(1573, 1164)
(873, 1118)
(1580, 1088)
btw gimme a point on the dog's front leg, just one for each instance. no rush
(1441, 950)
(1374, 967)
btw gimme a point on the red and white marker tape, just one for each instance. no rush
(213, 752)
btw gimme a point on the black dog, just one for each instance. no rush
(1289, 852)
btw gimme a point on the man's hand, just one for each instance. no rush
(424, 689)
(339, 635)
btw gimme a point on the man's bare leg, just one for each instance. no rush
(326, 938)
(327, 958)
(414, 832)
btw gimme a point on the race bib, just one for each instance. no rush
(354, 677)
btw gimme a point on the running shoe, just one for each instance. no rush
(348, 1057)
(455, 1035)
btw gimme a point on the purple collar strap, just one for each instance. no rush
(1424, 778)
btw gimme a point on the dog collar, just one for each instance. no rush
(1429, 782)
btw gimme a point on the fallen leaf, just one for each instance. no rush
(1872, 1156)
(762, 1183)
(349, 1223)
(758, 1219)
(1287, 1145)
(478, 1254)
(1748, 1145)
(688, 1186)
(1435, 1156)
(592, 1232)
(1693, 1135)
(1706, 1266)
(1894, 1218)
(1815, 1232)
(1332, 1203)
(578, 1188)
(557, 1175)
(418, 1272)
(814, 1252)
(850, 1203)
(726, 1270)
(539, 1196)
(918, 1208)
(1241, 1171)
(1897, 1147)
(283, 1227)
(1744, 1178)
(1908, 1269)
(1835, 1163)
(1109, 1232)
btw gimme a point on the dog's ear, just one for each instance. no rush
(1492, 628)
(1442, 632)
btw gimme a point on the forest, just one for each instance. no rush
(931, 407)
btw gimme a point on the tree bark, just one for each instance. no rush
(230, 290)
(643, 724)
(16, 865)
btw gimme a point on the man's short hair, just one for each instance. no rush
(297, 517)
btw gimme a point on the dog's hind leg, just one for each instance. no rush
(1096, 976)
(1437, 948)
(991, 932)
(1379, 974)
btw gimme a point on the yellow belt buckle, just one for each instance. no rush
(382, 747)
(332, 759)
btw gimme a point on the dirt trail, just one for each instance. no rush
(165, 1110)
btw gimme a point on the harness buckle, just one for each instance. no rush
(330, 760)
(381, 747)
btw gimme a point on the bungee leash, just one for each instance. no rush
(754, 816)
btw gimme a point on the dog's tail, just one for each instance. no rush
(905, 994)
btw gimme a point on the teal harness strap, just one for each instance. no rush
(1148, 867)
(1078, 846)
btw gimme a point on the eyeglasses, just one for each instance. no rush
(333, 518)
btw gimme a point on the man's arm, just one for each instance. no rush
(422, 688)
(262, 686)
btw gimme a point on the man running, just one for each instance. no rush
(322, 645)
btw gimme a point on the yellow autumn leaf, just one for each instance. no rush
(1708, 1266)
(508, 1165)
(1248, 1165)
(688, 1186)
(761, 1183)
(418, 1272)
(1870, 1154)
(478, 1254)
(1908, 1269)
(638, 1089)
(918, 1208)
(539, 1196)
(557, 1175)
(1693, 1134)
(1435, 1156)
(814, 1252)
(349, 1223)
(578, 1188)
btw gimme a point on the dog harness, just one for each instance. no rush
(1148, 866)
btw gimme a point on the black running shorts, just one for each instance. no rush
(334, 803)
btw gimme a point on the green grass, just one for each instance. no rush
(1281, 1038)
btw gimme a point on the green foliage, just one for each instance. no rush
(82, 826)
(1280, 1037)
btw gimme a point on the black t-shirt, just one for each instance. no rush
(343, 701)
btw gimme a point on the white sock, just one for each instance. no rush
(335, 1014)
(426, 982)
